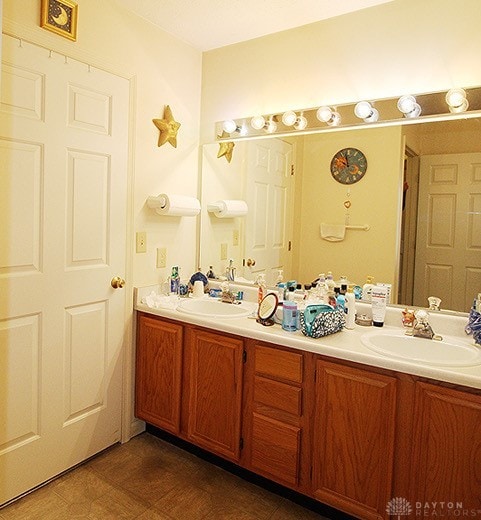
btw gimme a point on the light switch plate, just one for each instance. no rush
(141, 242)
(223, 251)
(161, 257)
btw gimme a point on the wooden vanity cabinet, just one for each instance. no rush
(446, 453)
(353, 439)
(350, 436)
(213, 372)
(159, 372)
(274, 413)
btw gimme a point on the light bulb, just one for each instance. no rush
(373, 116)
(271, 126)
(335, 119)
(229, 126)
(363, 109)
(456, 100)
(324, 114)
(408, 106)
(258, 122)
(301, 123)
(289, 118)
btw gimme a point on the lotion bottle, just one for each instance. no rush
(261, 292)
(367, 288)
(350, 308)
(379, 302)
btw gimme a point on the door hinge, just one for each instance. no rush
(289, 246)
(292, 169)
(241, 443)
(244, 356)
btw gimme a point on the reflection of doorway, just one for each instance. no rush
(448, 259)
(269, 195)
(408, 229)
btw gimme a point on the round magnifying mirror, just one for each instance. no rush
(267, 309)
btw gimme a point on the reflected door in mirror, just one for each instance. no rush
(269, 195)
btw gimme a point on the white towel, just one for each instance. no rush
(333, 232)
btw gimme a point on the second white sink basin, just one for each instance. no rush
(211, 308)
(451, 351)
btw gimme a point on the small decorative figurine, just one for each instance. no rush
(408, 317)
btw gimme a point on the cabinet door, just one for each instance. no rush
(214, 381)
(446, 451)
(159, 373)
(353, 439)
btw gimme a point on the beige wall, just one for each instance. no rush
(405, 46)
(163, 70)
(375, 201)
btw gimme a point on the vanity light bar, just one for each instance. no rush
(423, 107)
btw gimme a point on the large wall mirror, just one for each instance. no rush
(413, 220)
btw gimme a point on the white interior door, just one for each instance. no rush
(448, 243)
(269, 195)
(63, 179)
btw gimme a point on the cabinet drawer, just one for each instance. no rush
(276, 449)
(278, 363)
(279, 396)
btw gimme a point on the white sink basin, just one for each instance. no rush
(451, 351)
(210, 308)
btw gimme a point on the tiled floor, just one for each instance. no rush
(149, 479)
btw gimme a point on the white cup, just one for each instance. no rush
(198, 290)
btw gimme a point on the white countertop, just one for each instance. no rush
(345, 345)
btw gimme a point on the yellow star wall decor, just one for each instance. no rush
(225, 148)
(168, 128)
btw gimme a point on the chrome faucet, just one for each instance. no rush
(434, 303)
(422, 328)
(230, 271)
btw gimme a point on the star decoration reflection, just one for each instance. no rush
(226, 147)
(168, 128)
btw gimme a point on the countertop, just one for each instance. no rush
(345, 345)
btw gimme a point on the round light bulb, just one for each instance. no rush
(406, 104)
(229, 126)
(335, 119)
(324, 114)
(363, 109)
(289, 118)
(373, 116)
(301, 123)
(258, 122)
(271, 126)
(456, 100)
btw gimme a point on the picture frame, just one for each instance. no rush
(60, 17)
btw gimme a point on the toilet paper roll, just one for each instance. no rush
(230, 208)
(174, 205)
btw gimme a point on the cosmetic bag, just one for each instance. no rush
(321, 320)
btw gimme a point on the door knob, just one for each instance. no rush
(117, 282)
(251, 262)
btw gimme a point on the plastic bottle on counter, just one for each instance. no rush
(350, 308)
(367, 289)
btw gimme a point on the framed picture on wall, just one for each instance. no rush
(60, 17)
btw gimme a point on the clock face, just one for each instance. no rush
(348, 165)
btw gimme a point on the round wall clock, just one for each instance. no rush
(348, 165)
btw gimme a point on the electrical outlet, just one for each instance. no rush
(223, 251)
(161, 257)
(235, 237)
(141, 242)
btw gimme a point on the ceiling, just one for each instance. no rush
(209, 24)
